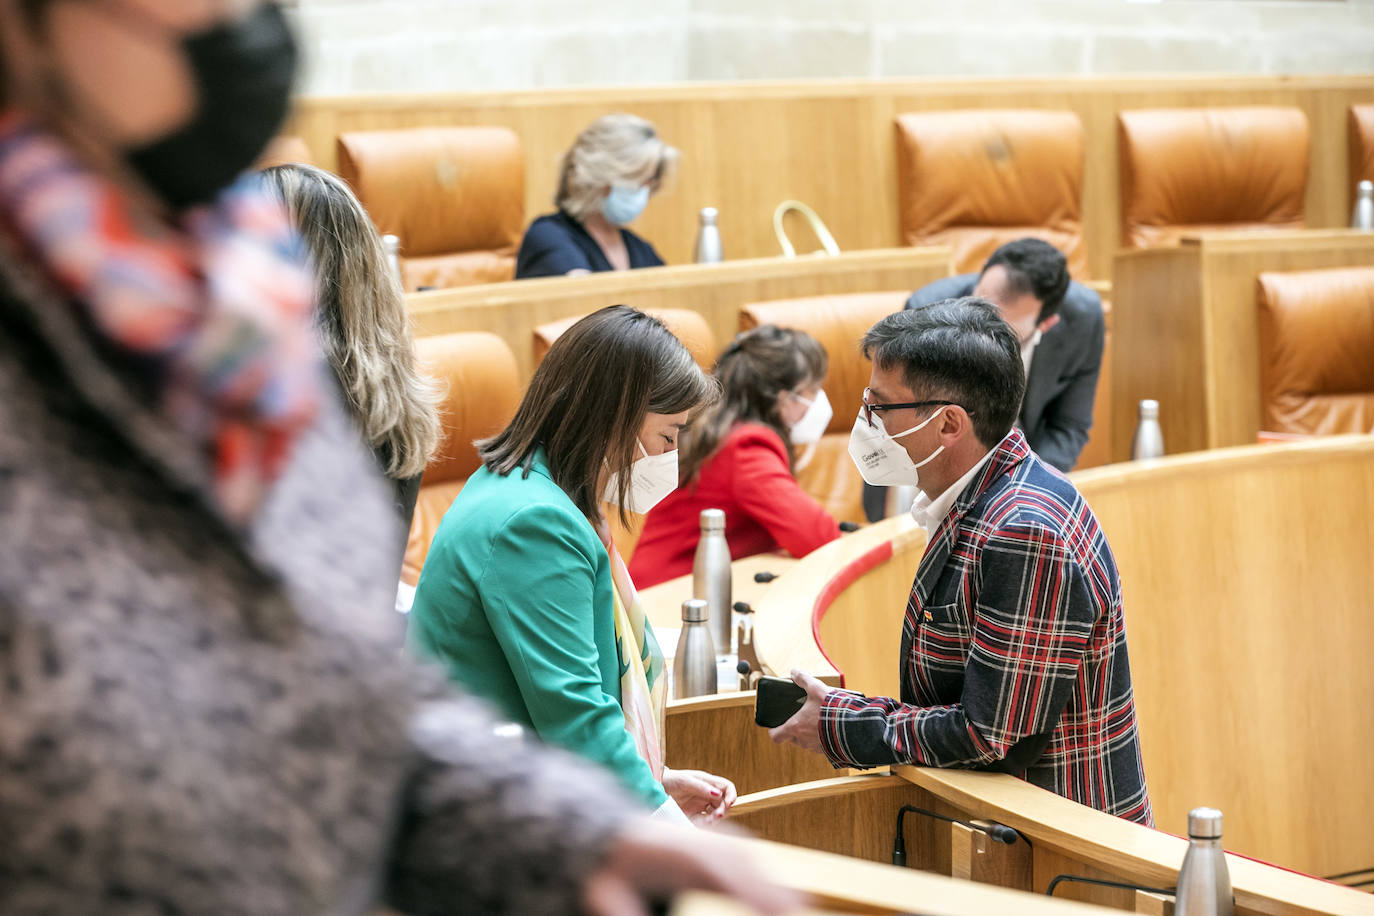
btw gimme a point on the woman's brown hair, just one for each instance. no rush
(758, 365)
(588, 400)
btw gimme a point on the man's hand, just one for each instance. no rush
(804, 728)
(652, 860)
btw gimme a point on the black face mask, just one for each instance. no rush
(243, 72)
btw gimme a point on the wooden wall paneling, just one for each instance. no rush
(1185, 330)
(851, 815)
(976, 856)
(747, 146)
(717, 734)
(1244, 623)
(513, 310)
(1232, 265)
(1158, 346)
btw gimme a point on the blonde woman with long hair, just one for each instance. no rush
(604, 182)
(361, 316)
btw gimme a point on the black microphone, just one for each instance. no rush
(762, 577)
(742, 668)
(849, 527)
(742, 607)
(999, 832)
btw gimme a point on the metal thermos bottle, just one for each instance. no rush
(711, 576)
(1204, 884)
(392, 244)
(1363, 217)
(1149, 439)
(694, 662)
(708, 250)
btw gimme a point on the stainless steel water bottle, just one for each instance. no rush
(711, 577)
(708, 249)
(392, 244)
(1363, 216)
(1204, 883)
(1149, 438)
(694, 662)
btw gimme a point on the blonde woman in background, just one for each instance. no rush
(360, 312)
(604, 183)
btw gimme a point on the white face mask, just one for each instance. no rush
(652, 477)
(812, 424)
(881, 460)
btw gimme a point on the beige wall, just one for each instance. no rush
(423, 45)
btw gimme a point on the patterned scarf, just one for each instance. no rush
(643, 688)
(214, 311)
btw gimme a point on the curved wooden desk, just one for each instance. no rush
(1247, 582)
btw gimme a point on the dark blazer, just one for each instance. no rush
(1013, 650)
(1057, 411)
(557, 243)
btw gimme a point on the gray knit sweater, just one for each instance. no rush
(194, 721)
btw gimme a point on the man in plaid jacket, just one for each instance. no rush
(1013, 650)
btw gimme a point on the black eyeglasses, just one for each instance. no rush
(870, 408)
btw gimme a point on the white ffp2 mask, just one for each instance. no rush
(812, 424)
(652, 477)
(881, 460)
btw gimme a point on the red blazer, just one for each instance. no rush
(765, 509)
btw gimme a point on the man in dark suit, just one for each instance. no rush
(1013, 654)
(1060, 327)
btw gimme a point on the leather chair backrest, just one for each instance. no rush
(285, 150)
(454, 196)
(688, 326)
(1192, 169)
(839, 323)
(1360, 135)
(1316, 331)
(481, 390)
(977, 179)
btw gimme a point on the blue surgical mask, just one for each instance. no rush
(624, 204)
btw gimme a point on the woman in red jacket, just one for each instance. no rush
(739, 457)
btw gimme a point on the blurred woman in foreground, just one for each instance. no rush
(203, 710)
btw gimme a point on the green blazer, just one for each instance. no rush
(516, 599)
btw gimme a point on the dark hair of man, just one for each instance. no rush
(758, 365)
(1034, 267)
(956, 350)
(588, 400)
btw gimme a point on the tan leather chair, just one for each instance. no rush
(285, 151)
(1192, 169)
(839, 323)
(454, 196)
(1316, 330)
(688, 326)
(1360, 136)
(976, 179)
(482, 391)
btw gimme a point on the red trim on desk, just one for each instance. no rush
(848, 574)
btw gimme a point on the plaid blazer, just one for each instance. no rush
(1013, 649)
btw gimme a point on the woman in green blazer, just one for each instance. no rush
(523, 595)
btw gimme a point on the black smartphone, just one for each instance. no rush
(778, 700)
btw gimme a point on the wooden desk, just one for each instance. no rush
(513, 310)
(663, 602)
(1186, 326)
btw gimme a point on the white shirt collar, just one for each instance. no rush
(929, 513)
(1028, 349)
